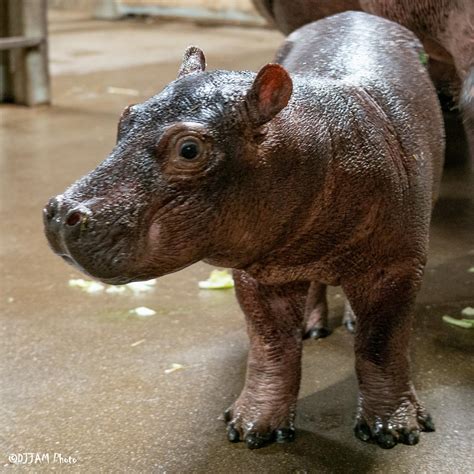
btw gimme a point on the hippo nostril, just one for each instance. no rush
(51, 209)
(74, 218)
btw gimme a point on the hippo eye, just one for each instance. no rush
(189, 149)
(186, 149)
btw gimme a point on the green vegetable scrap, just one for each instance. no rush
(462, 323)
(218, 280)
(423, 58)
(471, 270)
(142, 311)
(135, 287)
(174, 368)
(88, 286)
(137, 343)
(468, 311)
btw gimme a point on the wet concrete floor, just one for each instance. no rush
(82, 377)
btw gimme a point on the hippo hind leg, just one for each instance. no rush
(389, 410)
(316, 312)
(349, 318)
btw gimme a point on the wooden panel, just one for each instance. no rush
(29, 66)
(19, 42)
(216, 11)
(24, 76)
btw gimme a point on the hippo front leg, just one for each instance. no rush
(389, 411)
(265, 410)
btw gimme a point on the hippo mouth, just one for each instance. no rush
(111, 248)
(102, 256)
(109, 280)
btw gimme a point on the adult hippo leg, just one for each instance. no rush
(265, 410)
(316, 312)
(389, 411)
(349, 318)
(466, 103)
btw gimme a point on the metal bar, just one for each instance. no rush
(19, 42)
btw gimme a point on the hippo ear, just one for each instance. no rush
(193, 61)
(270, 92)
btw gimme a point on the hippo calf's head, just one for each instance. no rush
(178, 187)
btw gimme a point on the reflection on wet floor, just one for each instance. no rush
(84, 377)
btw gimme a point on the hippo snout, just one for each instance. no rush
(58, 215)
(61, 219)
(88, 235)
(63, 223)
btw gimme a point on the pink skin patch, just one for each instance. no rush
(154, 232)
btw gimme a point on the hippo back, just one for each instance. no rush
(380, 62)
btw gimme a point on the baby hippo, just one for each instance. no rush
(319, 170)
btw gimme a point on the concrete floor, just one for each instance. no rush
(83, 378)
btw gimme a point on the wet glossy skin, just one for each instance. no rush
(145, 211)
(347, 150)
(445, 27)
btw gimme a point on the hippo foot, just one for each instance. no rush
(256, 432)
(404, 426)
(317, 333)
(350, 326)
